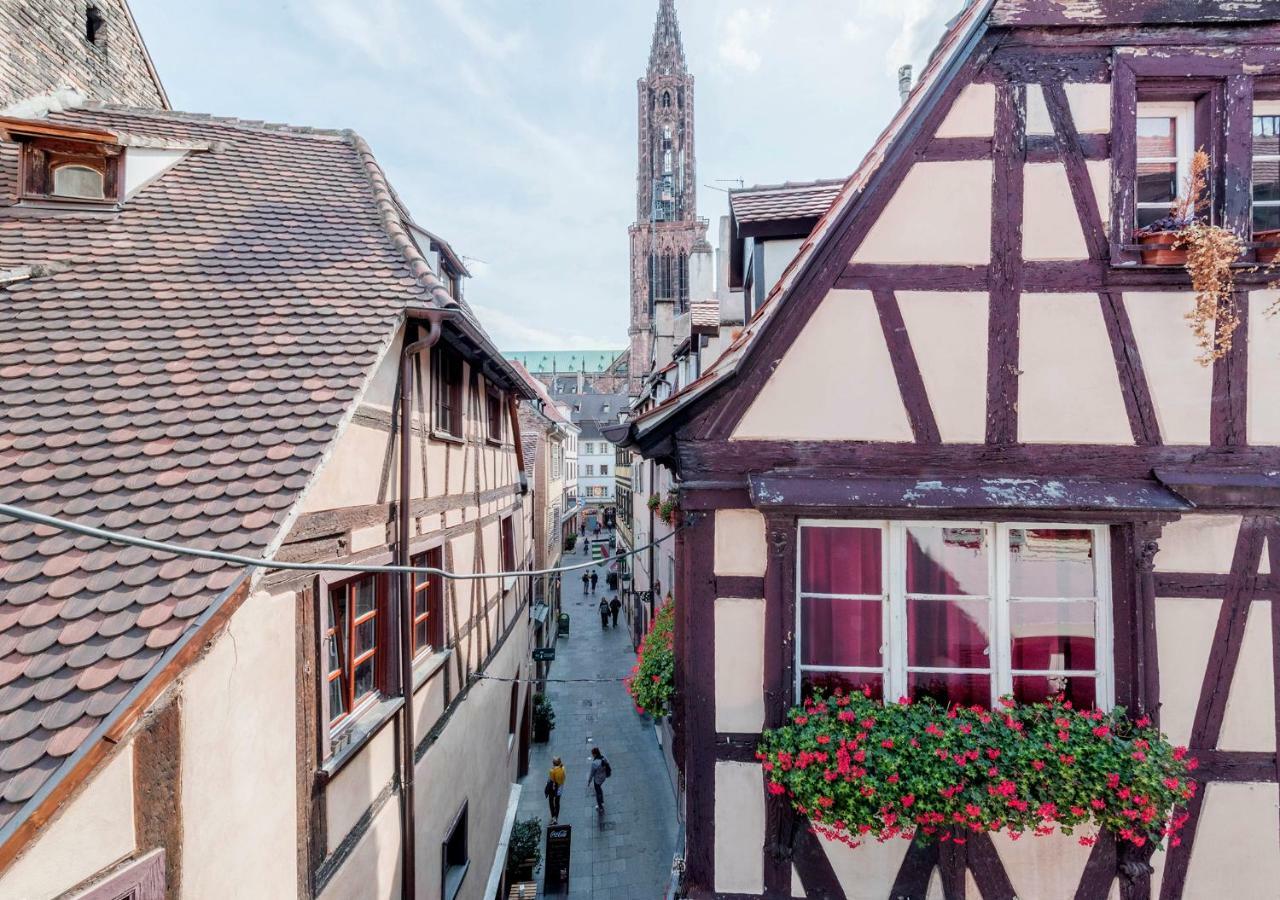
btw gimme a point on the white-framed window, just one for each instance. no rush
(1166, 143)
(1266, 165)
(964, 612)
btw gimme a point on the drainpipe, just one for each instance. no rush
(432, 319)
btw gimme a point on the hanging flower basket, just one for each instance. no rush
(653, 678)
(860, 769)
(654, 502)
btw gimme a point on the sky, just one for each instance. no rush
(508, 127)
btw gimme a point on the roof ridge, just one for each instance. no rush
(790, 185)
(233, 121)
(390, 212)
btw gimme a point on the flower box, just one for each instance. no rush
(1267, 246)
(1158, 249)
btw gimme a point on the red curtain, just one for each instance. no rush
(838, 632)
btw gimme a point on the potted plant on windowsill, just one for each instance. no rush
(524, 854)
(544, 719)
(859, 769)
(1187, 238)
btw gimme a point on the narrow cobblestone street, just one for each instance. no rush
(624, 854)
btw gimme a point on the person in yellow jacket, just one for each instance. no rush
(554, 788)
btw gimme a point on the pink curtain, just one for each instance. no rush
(945, 634)
(840, 632)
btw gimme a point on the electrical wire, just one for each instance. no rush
(117, 537)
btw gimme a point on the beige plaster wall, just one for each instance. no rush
(941, 213)
(1090, 108)
(1264, 369)
(351, 791)
(807, 398)
(1047, 868)
(239, 792)
(361, 449)
(1198, 543)
(948, 334)
(739, 827)
(973, 113)
(1249, 722)
(1181, 388)
(1051, 227)
(1235, 849)
(739, 648)
(372, 872)
(382, 387)
(1069, 391)
(92, 832)
(1184, 636)
(866, 872)
(474, 760)
(739, 543)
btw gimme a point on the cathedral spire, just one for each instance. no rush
(666, 56)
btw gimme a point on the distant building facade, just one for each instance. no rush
(577, 371)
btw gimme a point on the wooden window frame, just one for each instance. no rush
(382, 652)
(1262, 108)
(447, 383)
(494, 418)
(432, 587)
(459, 821)
(507, 550)
(1183, 112)
(894, 665)
(38, 158)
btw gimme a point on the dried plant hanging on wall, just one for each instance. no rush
(1208, 252)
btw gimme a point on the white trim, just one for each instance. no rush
(500, 854)
(1183, 113)
(1263, 108)
(893, 652)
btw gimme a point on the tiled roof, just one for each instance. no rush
(793, 200)
(177, 373)
(549, 408)
(704, 314)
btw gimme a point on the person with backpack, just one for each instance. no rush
(600, 771)
(604, 613)
(554, 788)
(614, 605)
(586, 582)
(594, 579)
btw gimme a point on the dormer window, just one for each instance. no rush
(77, 180)
(64, 163)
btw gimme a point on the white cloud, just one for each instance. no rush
(494, 45)
(377, 29)
(743, 31)
(919, 25)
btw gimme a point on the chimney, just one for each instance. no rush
(904, 83)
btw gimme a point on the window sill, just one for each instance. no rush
(359, 734)
(446, 436)
(493, 443)
(453, 878)
(428, 666)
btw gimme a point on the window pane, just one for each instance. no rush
(334, 662)
(841, 632)
(364, 594)
(420, 638)
(948, 634)
(337, 700)
(1266, 218)
(1157, 182)
(1149, 214)
(364, 677)
(421, 594)
(77, 181)
(950, 689)
(1266, 180)
(1054, 636)
(848, 682)
(1266, 135)
(1157, 136)
(947, 561)
(366, 636)
(840, 560)
(1051, 563)
(1082, 691)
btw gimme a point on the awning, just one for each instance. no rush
(824, 491)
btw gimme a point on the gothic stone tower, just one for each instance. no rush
(667, 227)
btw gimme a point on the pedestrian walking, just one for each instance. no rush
(600, 771)
(604, 613)
(594, 579)
(586, 582)
(554, 788)
(614, 605)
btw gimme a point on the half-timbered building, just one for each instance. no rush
(965, 449)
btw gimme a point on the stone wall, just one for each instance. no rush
(45, 45)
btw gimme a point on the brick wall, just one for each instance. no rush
(44, 46)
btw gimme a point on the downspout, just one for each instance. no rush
(408, 859)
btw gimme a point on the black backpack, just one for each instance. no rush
(608, 769)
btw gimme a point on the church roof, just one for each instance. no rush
(564, 362)
(666, 55)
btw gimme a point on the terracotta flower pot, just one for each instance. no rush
(1161, 252)
(1267, 255)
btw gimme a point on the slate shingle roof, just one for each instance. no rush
(792, 200)
(177, 374)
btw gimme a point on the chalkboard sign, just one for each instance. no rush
(544, 654)
(559, 838)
